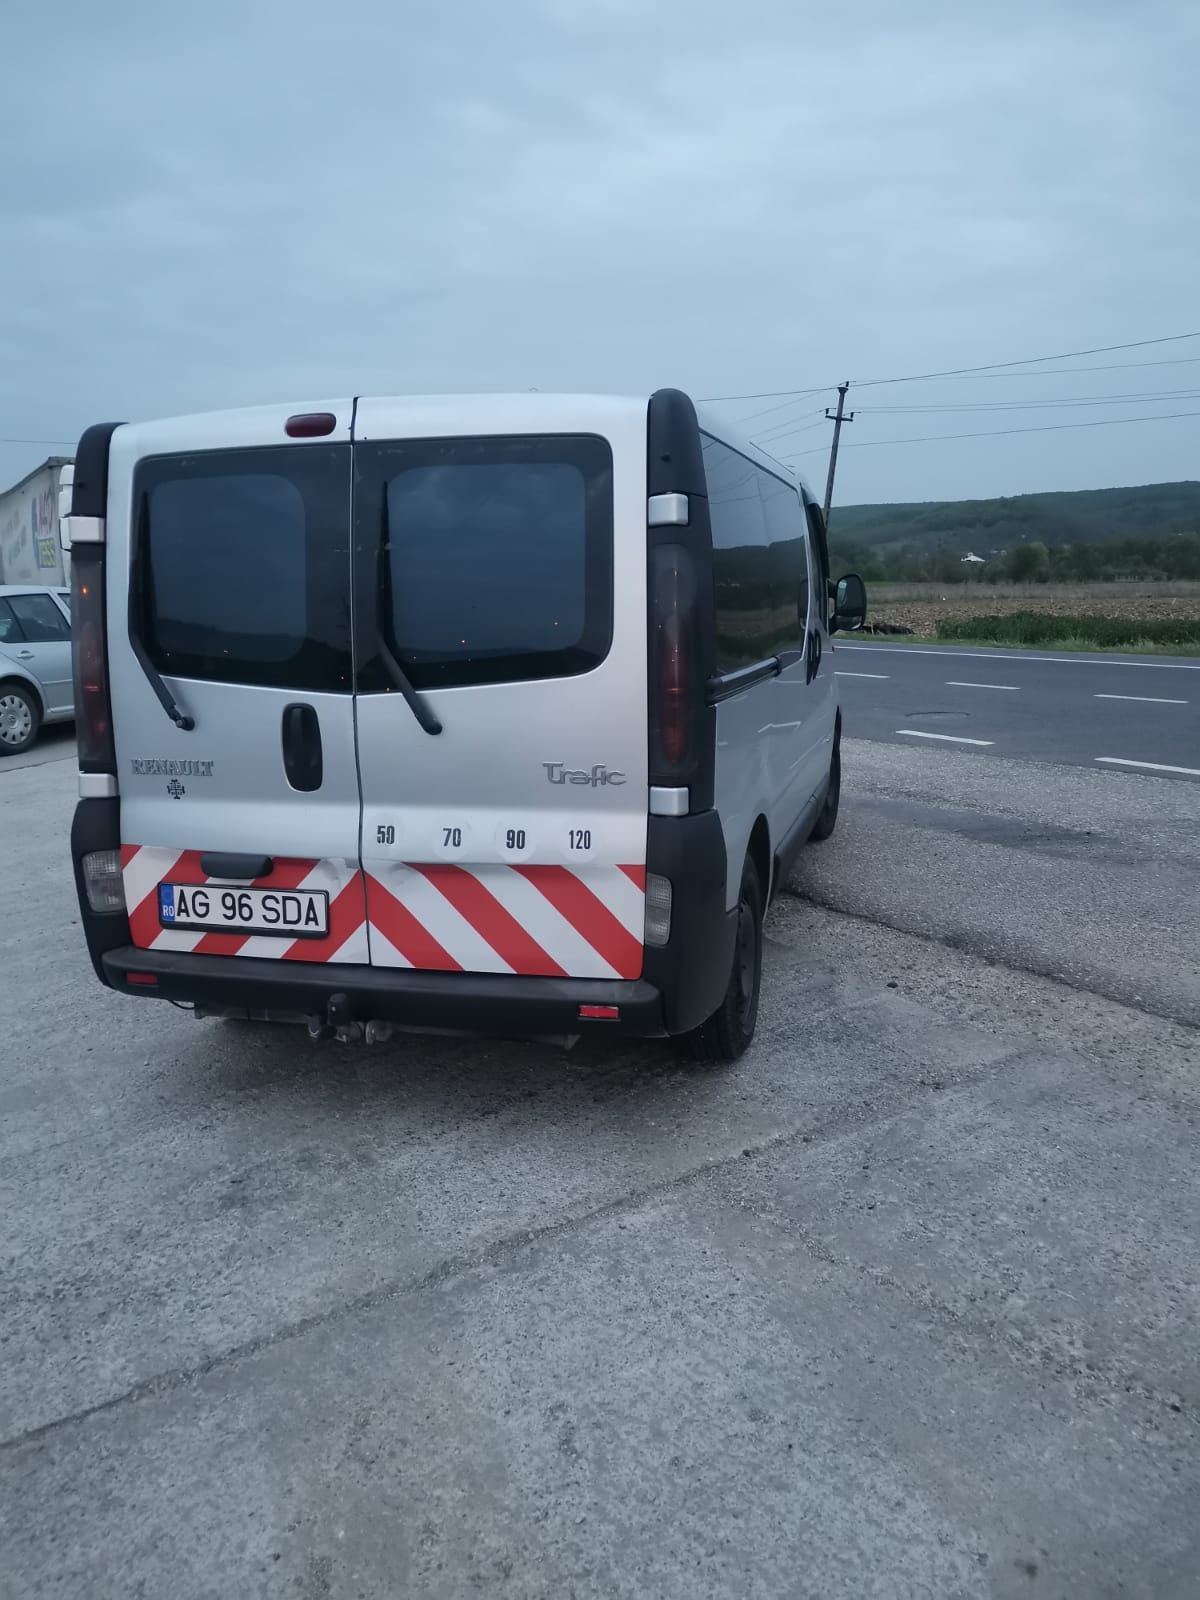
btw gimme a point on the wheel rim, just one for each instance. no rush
(16, 719)
(745, 960)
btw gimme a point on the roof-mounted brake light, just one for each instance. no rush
(310, 425)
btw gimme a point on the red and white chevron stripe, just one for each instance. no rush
(538, 921)
(144, 867)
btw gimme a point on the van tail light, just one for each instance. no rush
(673, 687)
(673, 623)
(93, 710)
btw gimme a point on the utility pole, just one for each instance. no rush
(837, 418)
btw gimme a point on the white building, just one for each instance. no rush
(30, 548)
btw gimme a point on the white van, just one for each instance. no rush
(496, 713)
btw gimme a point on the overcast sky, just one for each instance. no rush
(245, 200)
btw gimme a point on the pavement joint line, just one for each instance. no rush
(1142, 699)
(955, 683)
(1065, 661)
(946, 738)
(1003, 961)
(1148, 766)
(455, 1267)
(449, 1269)
(1036, 1352)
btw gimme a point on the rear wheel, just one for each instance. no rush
(728, 1032)
(20, 719)
(827, 820)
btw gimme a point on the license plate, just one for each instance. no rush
(290, 913)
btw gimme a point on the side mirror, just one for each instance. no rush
(849, 604)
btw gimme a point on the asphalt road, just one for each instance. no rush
(905, 1304)
(1132, 713)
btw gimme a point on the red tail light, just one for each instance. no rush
(673, 641)
(93, 712)
(674, 688)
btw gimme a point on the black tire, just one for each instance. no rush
(728, 1032)
(827, 820)
(20, 718)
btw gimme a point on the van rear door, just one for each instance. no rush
(500, 550)
(228, 583)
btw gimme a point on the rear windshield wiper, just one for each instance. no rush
(426, 719)
(138, 557)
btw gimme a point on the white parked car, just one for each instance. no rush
(35, 663)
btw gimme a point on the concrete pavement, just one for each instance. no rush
(903, 1304)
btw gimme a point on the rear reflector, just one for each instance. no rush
(310, 425)
(102, 880)
(145, 980)
(658, 909)
(600, 1013)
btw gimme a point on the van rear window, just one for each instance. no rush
(496, 555)
(241, 565)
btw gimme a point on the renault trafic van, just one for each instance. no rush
(494, 713)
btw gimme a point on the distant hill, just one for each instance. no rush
(1090, 516)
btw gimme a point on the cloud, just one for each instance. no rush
(235, 203)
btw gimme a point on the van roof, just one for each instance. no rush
(437, 414)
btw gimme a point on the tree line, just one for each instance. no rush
(1146, 558)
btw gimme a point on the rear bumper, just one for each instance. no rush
(476, 1002)
(682, 982)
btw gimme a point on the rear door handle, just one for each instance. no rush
(24, 655)
(303, 761)
(240, 869)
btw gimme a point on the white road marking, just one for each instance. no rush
(1150, 766)
(1143, 699)
(884, 675)
(953, 683)
(950, 738)
(1066, 661)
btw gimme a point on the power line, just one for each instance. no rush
(767, 394)
(1026, 361)
(39, 441)
(786, 430)
(783, 429)
(995, 433)
(1066, 372)
(989, 367)
(1145, 398)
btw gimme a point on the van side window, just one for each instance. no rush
(788, 567)
(760, 567)
(499, 555)
(739, 536)
(820, 547)
(244, 565)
